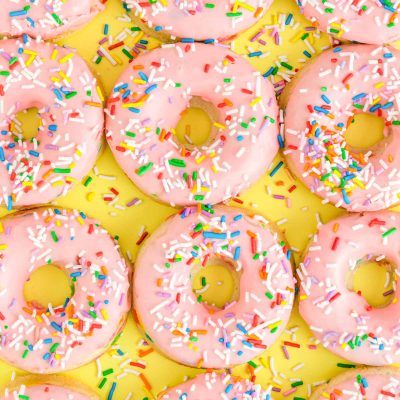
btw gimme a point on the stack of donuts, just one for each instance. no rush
(194, 67)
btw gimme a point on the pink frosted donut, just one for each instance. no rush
(51, 387)
(59, 84)
(199, 20)
(322, 102)
(48, 340)
(367, 21)
(216, 386)
(341, 319)
(145, 107)
(363, 383)
(44, 18)
(193, 332)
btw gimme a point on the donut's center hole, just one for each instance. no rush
(26, 124)
(364, 132)
(216, 284)
(375, 281)
(48, 285)
(196, 126)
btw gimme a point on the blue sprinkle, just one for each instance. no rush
(151, 88)
(214, 235)
(276, 169)
(236, 254)
(187, 40)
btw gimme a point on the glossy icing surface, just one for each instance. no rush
(145, 108)
(59, 84)
(322, 102)
(341, 319)
(198, 19)
(44, 18)
(195, 333)
(366, 383)
(47, 340)
(368, 21)
(215, 386)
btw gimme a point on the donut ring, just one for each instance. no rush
(145, 107)
(48, 340)
(197, 20)
(48, 388)
(366, 383)
(189, 331)
(368, 21)
(215, 386)
(45, 20)
(59, 83)
(321, 102)
(339, 318)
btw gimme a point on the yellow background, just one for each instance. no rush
(297, 217)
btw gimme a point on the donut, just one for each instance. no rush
(341, 319)
(45, 19)
(320, 104)
(215, 386)
(368, 21)
(362, 383)
(33, 387)
(59, 84)
(193, 332)
(145, 107)
(58, 338)
(198, 20)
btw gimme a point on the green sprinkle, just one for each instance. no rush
(54, 236)
(108, 372)
(87, 182)
(144, 168)
(175, 162)
(56, 18)
(62, 170)
(298, 383)
(389, 232)
(102, 383)
(343, 365)
(53, 348)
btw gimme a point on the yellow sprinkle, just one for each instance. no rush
(100, 93)
(1, 227)
(57, 183)
(128, 105)
(139, 81)
(379, 85)
(220, 126)
(62, 74)
(3, 246)
(90, 196)
(93, 104)
(255, 101)
(66, 58)
(80, 220)
(54, 54)
(200, 159)
(303, 297)
(104, 314)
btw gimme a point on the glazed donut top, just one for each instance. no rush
(44, 18)
(196, 333)
(49, 339)
(52, 387)
(367, 21)
(59, 84)
(341, 319)
(200, 20)
(145, 108)
(216, 386)
(366, 383)
(321, 104)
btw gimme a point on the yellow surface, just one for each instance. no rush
(297, 215)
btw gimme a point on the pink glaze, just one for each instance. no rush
(155, 161)
(357, 78)
(370, 384)
(67, 143)
(45, 19)
(216, 386)
(47, 392)
(335, 313)
(170, 311)
(76, 244)
(193, 19)
(350, 20)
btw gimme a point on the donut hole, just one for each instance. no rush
(375, 281)
(216, 284)
(365, 132)
(48, 285)
(26, 124)
(196, 125)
